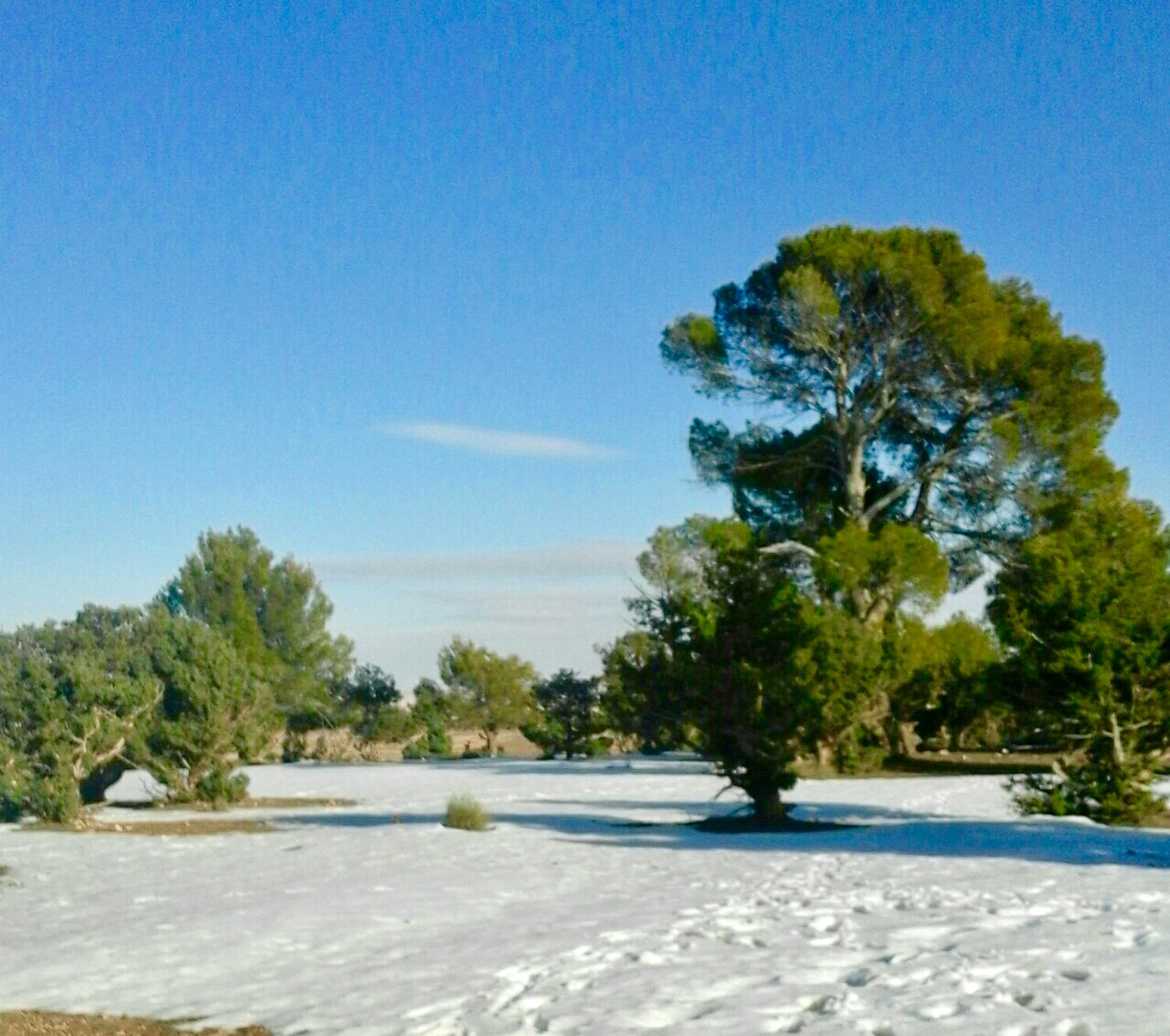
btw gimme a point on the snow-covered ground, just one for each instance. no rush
(942, 914)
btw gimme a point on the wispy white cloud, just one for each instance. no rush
(553, 622)
(494, 441)
(566, 561)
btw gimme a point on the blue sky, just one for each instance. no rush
(385, 281)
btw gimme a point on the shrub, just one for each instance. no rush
(1097, 789)
(596, 747)
(466, 814)
(221, 789)
(392, 724)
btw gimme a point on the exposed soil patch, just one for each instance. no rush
(962, 763)
(261, 802)
(50, 1023)
(937, 764)
(158, 827)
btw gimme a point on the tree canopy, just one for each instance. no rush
(1085, 608)
(274, 612)
(568, 714)
(490, 691)
(908, 387)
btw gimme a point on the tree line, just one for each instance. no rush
(231, 662)
(922, 425)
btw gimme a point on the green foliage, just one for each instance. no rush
(641, 698)
(567, 719)
(83, 701)
(1085, 608)
(1103, 790)
(466, 814)
(876, 573)
(674, 559)
(392, 723)
(430, 714)
(490, 691)
(923, 393)
(367, 698)
(274, 612)
(433, 711)
(72, 697)
(942, 684)
(214, 712)
(12, 791)
(757, 669)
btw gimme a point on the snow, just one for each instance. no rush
(587, 910)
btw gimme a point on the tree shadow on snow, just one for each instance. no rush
(648, 766)
(839, 828)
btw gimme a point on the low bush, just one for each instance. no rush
(466, 814)
(1108, 794)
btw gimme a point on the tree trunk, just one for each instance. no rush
(901, 734)
(907, 738)
(876, 612)
(855, 484)
(1115, 736)
(766, 803)
(826, 753)
(489, 738)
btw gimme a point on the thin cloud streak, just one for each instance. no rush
(496, 442)
(568, 561)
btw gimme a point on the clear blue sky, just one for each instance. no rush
(385, 281)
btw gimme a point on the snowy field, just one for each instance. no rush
(943, 914)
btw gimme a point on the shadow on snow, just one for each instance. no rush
(876, 831)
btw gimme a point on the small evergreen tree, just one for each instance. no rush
(275, 613)
(214, 713)
(1085, 608)
(761, 672)
(432, 712)
(568, 714)
(368, 692)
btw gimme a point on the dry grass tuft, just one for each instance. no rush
(466, 814)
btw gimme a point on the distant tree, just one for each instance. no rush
(492, 692)
(568, 719)
(432, 712)
(909, 389)
(274, 612)
(640, 697)
(944, 677)
(215, 712)
(370, 691)
(1085, 609)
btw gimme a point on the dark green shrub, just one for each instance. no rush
(1098, 790)
(222, 788)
